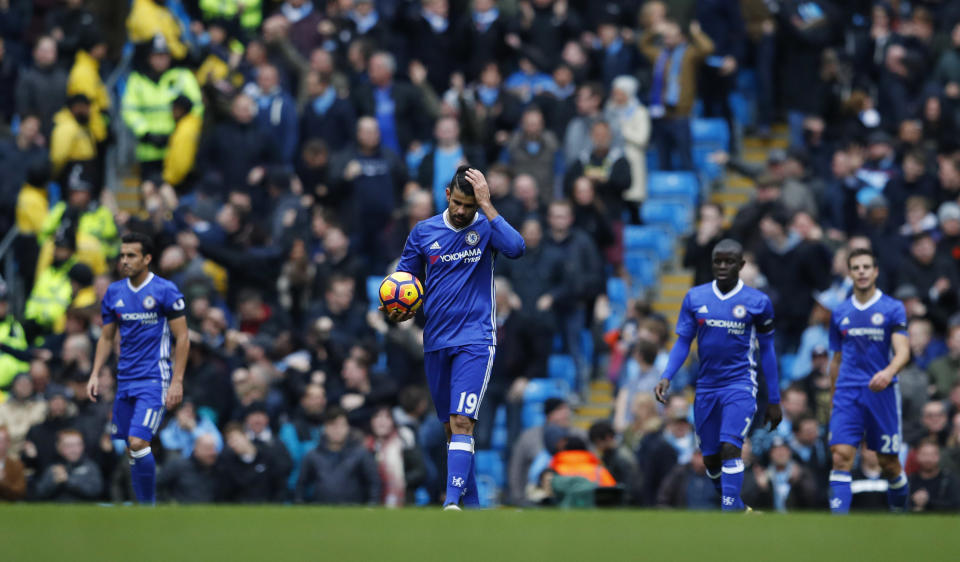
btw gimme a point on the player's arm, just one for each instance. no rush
(834, 371)
(504, 238)
(678, 356)
(411, 261)
(178, 326)
(768, 362)
(836, 345)
(104, 348)
(901, 356)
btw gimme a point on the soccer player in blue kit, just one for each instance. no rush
(866, 394)
(730, 321)
(145, 309)
(454, 253)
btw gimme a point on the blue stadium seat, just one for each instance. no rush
(741, 108)
(539, 390)
(710, 132)
(617, 291)
(498, 438)
(490, 463)
(676, 215)
(643, 267)
(373, 290)
(650, 238)
(708, 170)
(532, 415)
(488, 492)
(673, 185)
(562, 367)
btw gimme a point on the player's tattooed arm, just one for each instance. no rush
(104, 349)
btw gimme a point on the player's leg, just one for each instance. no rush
(147, 414)
(846, 432)
(883, 435)
(437, 365)
(706, 422)
(470, 373)
(737, 416)
(120, 422)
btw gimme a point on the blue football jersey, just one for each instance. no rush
(456, 266)
(142, 314)
(862, 332)
(726, 328)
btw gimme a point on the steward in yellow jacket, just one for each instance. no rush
(147, 106)
(148, 19)
(13, 344)
(72, 140)
(182, 150)
(85, 79)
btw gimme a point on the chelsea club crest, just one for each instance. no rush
(149, 302)
(472, 238)
(739, 311)
(877, 319)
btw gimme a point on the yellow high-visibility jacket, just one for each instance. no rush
(146, 106)
(182, 150)
(70, 142)
(85, 79)
(147, 19)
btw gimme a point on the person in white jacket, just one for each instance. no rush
(630, 122)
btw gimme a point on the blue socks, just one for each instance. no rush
(459, 467)
(731, 482)
(840, 494)
(143, 475)
(898, 492)
(471, 496)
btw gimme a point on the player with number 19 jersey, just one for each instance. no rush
(144, 369)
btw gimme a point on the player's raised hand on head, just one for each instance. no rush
(660, 392)
(480, 188)
(396, 316)
(880, 381)
(774, 416)
(93, 388)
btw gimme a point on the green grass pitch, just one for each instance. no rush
(271, 534)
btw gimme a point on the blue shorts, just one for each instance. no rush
(138, 409)
(722, 417)
(458, 377)
(860, 413)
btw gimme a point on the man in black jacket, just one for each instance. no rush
(247, 472)
(395, 106)
(193, 479)
(238, 149)
(74, 479)
(340, 470)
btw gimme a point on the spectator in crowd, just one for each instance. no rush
(76, 478)
(42, 89)
(931, 488)
(182, 432)
(700, 245)
(22, 410)
(340, 470)
(180, 159)
(620, 462)
(192, 478)
(441, 163)
(149, 19)
(237, 149)
(532, 150)
(327, 115)
(249, 472)
(630, 122)
(687, 486)
(302, 433)
(576, 139)
(276, 111)
(945, 371)
(606, 167)
(13, 479)
(674, 88)
(72, 140)
(660, 452)
(395, 106)
(531, 443)
(811, 452)
(39, 447)
(387, 448)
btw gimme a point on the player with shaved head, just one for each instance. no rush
(731, 322)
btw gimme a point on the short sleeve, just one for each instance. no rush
(108, 313)
(898, 320)
(174, 306)
(764, 320)
(411, 260)
(835, 343)
(687, 321)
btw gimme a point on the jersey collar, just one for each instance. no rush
(723, 297)
(877, 293)
(144, 284)
(446, 221)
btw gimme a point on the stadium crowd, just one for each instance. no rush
(284, 150)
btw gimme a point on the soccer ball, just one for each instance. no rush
(401, 291)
